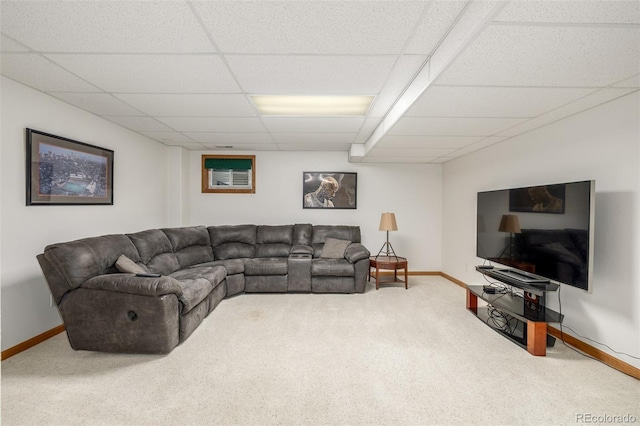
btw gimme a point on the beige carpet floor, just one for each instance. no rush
(386, 357)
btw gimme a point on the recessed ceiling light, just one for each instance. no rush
(303, 105)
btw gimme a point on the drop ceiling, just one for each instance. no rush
(449, 77)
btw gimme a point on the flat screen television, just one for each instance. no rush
(546, 230)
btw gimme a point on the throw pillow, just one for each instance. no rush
(126, 265)
(334, 248)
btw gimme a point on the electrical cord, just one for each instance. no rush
(500, 287)
(584, 337)
(501, 321)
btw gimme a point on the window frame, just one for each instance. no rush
(230, 190)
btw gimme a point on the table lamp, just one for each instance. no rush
(509, 223)
(388, 223)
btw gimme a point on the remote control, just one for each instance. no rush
(149, 275)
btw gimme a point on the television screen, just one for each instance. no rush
(546, 230)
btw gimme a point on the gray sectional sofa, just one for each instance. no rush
(105, 309)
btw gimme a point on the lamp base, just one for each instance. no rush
(389, 251)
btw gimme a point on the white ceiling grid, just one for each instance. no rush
(449, 77)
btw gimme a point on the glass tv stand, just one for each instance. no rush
(522, 318)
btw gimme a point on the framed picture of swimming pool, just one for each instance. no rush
(62, 171)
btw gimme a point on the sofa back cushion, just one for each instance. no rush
(233, 241)
(190, 244)
(274, 241)
(155, 251)
(77, 261)
(340, 232)
(302, 233)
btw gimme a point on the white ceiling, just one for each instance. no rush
(449, 77)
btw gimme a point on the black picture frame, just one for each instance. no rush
(538, 199)
(319, 192)
(63, 171)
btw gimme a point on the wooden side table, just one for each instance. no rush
(388, 263)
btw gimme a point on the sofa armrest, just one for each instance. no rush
(301, 249)
(132, 284)
(356, 252)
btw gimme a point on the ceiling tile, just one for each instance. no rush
(309, 75)
(192, 146)
(450, 101)
(453, 142)
(471, 21)
(452, 126)
(177, 105)
(169, 138)
(440, 16)
(313, 138)
(222, 125)
(558, 57)
(9, 45)
(151, 73)
(231, 138)
(35, 71)
(139, 124)
(158, 61)
(624, 12)
(630, 82)
(313, 124)
(104, 26)
(398, 159)
(97, 103)
(310, 27)
(409, 152)
(312, 147)
(246, 147)
(478, 145)
(596, 98)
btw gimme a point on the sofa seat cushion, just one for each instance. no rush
(266, 266)
(233, 266)
(332, 267)
(193, 292)
(214, 274)
(196, 283)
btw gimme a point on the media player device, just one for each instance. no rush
(489, 289)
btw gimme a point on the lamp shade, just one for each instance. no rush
(388, 222)
(509, 223)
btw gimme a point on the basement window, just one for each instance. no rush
(229, 174)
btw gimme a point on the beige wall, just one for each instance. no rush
(603, 144)
(140, 184)
(411, 191)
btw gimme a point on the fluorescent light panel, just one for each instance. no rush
(312, 105)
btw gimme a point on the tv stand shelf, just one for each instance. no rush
(522, 319)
